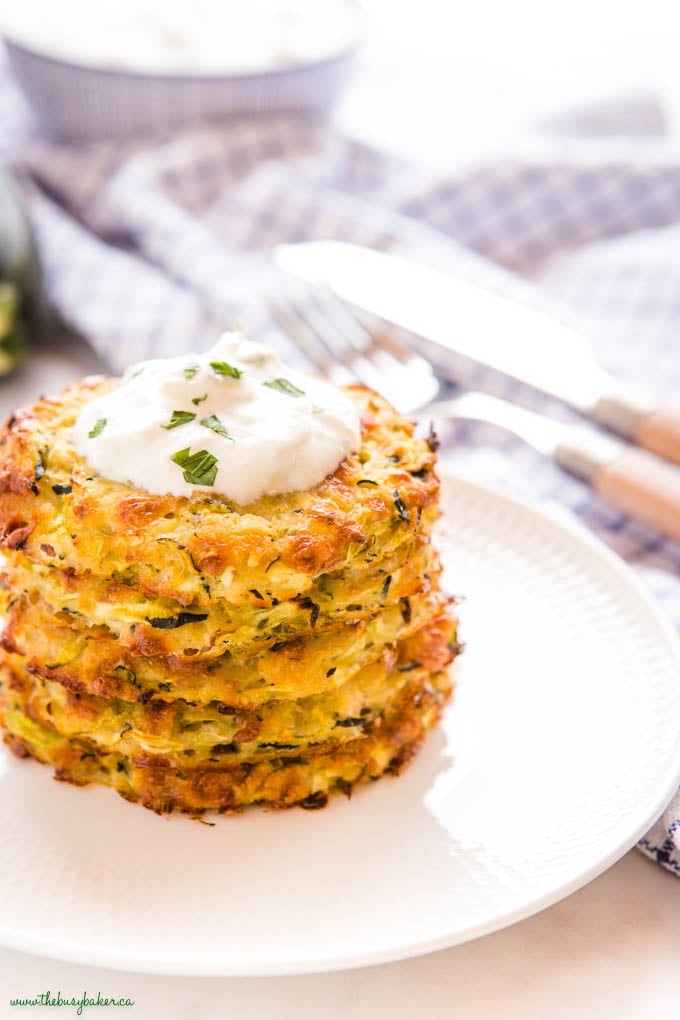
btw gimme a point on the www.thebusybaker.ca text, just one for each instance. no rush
(50, 999)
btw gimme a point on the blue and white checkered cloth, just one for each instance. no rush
(151, 248)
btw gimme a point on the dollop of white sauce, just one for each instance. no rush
(286, 430)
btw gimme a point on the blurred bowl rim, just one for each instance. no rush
(194, 76)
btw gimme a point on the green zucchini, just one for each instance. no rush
(22, 309)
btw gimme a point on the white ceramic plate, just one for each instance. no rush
(560, 750)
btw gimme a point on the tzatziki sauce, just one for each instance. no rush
(233, 420)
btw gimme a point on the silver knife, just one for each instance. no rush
(631, 480)
(452, 316)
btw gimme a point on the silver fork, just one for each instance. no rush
(340, 345)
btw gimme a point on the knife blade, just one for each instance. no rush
(454, 317)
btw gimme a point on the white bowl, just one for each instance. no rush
(74, 100)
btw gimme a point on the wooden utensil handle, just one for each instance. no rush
(660, 432)
(637, 417)
(644, 488)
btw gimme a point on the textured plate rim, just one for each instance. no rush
(79, 953)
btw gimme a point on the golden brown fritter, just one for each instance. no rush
(198, 655)
(91, 660)
(289, 779)
(185, 734)
(193, 551)
(160, 627)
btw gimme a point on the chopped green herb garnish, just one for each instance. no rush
(306, 603)
(173, 622)
(214, 423)
(191, 370)
(98, 429)
(401, 508)
(224, 368)
(199, 400)
(179, 418)
(284, 386)
(199, 468)
(123, 673)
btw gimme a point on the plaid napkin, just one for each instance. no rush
(153, 247)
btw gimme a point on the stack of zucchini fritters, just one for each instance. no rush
(199, 655)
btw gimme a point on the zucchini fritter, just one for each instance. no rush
(196, 550)
(282, 781)
(91, 660)
(198, 655)
(178, 731)
(161, 627)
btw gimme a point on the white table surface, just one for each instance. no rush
(608, 951)
(611, 949)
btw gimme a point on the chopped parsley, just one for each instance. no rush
(401, 508)
(199, 400)
(214, 423)
(191, 370)
(179, 418)
(284, 386)
(224, 368)
(98, 428)
(123, 673)
(173, 622)
(199, 468)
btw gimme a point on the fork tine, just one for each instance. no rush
(336, 340)
(343, 342)
(321, 319)
(347, 338)
(355, 331)
(356, 336)
(294, 322)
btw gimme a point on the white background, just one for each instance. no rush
(441, 82)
